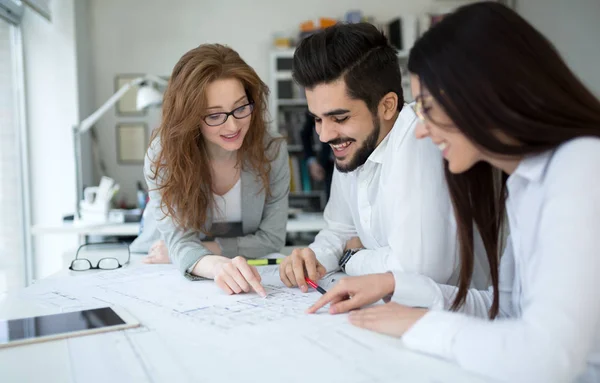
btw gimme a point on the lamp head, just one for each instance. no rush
(148, 96)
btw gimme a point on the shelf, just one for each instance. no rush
(317, 193)
(284, 75)
(292, 102)
(283, 52)
(299, 148)
(289, 53)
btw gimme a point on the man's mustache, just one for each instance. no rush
(340, 140)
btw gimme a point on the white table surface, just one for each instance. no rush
(59, 361)
(135, 261)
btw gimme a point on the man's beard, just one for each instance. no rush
(362, 153)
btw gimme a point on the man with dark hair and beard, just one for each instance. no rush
(389, 208)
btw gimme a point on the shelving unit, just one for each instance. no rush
(288, 108)
(298, 148)
(403, 61)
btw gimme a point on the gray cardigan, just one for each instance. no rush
(264, 218)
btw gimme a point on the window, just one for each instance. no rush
(12, 233)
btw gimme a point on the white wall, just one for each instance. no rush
(85, 86)
(574, 28)
(51, 103)
(140, 36)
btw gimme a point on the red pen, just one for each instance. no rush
(315, 286)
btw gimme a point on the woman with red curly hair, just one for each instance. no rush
(218, 180)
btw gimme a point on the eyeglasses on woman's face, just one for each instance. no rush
(419, 108)
(216, 119)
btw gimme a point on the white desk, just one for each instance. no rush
(304, 222)
(193, 332)
(107, 229)
(136, 260)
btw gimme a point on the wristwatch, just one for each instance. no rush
(346, 257)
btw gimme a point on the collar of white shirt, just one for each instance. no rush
(532, 168)
(379, 152)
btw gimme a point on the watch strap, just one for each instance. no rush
(346, 257)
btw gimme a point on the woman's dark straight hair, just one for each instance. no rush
(497, 76)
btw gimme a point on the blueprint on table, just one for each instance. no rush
(193, 331)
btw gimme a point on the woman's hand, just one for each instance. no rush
(389, 319)
(233, 276)
(355, 292)
(213, 247)
(158, 253)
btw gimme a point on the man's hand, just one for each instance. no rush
(300, 264)
(355, 292)
(353, 243)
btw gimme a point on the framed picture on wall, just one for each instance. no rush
(126, 106)
(132, 142)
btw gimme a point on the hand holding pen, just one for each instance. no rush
(277, 261)
(300, 264)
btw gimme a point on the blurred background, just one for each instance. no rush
(62, 60)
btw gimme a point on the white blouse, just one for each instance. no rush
(229, 205)
(548, 329)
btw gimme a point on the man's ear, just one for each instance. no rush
(388, 106)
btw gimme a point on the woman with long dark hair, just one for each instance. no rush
(520, 135)
(218, 180)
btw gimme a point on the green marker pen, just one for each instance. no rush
(264, 261)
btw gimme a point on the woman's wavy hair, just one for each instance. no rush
(180, 169)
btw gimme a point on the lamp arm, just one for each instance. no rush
(86, 124)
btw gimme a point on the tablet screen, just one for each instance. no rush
(47, 325)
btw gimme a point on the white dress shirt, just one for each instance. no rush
(548, 329)
(398, 205)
